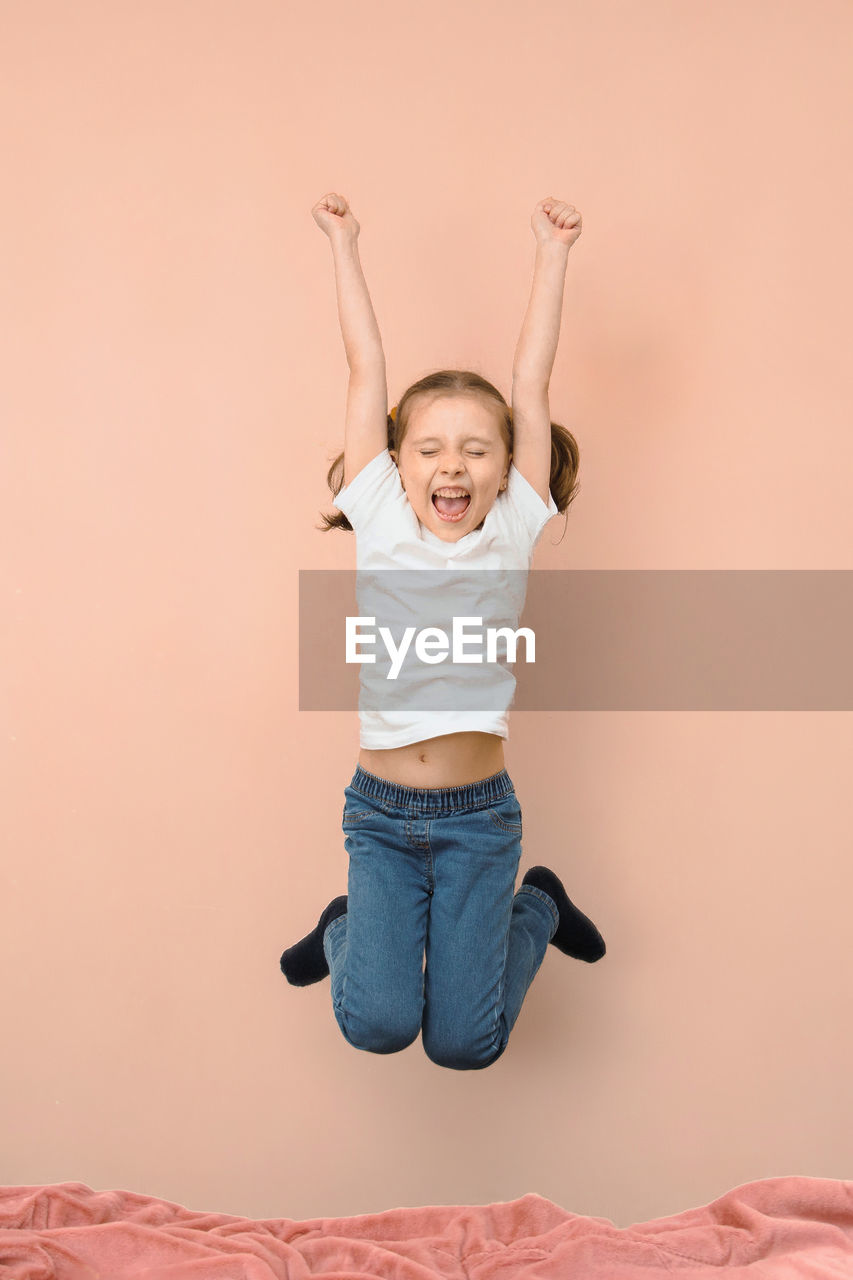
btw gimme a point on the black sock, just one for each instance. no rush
(305, 961)
(576, 935)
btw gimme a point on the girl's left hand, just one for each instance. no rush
(554, 220)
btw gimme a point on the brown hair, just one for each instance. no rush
(565, 456)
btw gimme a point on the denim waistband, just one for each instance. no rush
(470, 795)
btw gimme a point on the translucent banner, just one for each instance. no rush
(578, 639)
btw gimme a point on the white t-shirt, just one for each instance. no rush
(389, 536)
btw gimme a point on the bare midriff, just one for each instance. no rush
(447, 761)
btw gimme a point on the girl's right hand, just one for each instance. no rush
(333, 215)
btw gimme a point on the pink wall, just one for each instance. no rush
(174, 392)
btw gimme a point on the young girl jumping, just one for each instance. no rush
(431, 935)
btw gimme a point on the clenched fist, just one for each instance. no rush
(555, 220)
(333, 215)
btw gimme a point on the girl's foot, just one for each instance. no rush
(305, 961)
(576, 935)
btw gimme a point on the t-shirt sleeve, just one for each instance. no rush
(525, 510)
(376, 491)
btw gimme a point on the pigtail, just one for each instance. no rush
(335, 481)
(565, 464)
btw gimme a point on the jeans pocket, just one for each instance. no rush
(506, 814)
(351, 817)
(358, 808)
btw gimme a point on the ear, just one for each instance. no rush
(505, 477)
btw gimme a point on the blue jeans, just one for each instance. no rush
(431, 877)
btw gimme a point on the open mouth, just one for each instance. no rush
(451, 503)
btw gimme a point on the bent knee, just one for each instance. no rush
(380, 1034)
(462, 1055)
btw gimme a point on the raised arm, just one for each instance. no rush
(366, 424)
(556, 226)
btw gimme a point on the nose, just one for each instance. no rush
(451, 464)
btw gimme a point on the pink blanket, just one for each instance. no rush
(785, 1228)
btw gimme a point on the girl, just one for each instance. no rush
(450, 478)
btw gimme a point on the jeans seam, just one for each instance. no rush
(500, 1002)
(429, 861)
